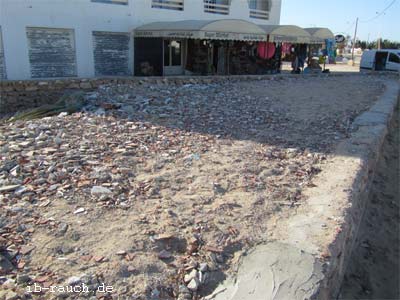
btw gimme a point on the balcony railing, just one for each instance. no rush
(168, 4)
(259, 14)
(216, 8)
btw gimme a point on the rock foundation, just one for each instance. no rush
(21, 95)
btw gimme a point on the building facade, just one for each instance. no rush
(94, 38)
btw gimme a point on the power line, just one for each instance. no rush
(379, 14)
(351, 27)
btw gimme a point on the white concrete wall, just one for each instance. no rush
(85, 16)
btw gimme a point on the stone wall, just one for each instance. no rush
(365, 145)
(19, 95)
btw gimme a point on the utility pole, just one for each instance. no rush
(354, 42)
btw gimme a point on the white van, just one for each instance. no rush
(381, 60)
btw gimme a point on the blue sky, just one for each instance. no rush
(340, 16)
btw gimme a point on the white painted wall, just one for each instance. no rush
(85, 16)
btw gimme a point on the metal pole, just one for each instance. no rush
(354, 42)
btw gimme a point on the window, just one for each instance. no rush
(168, 4)
(51, 52)
(394, 58)
(264, 5)
(260, 9)
(3, 74)
(217, 6)
(111, 53)
(123, 2)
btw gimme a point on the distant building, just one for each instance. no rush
(89, 38)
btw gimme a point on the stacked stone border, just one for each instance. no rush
(25, 94)
(371, 129)
(308, 253)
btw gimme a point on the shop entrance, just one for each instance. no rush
(220, 59)
(173, 57)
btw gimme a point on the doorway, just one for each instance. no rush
(173, 57)
(219, 58)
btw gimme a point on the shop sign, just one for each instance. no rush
(201, 35)
(216, 35)
(251, 37)
(232, 36)
(281, 38)
(144, 34)
(316, 41)
(181, 34)
(340, 38)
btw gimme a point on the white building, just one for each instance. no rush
(88, 38)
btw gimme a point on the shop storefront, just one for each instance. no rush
(198, 47)
(323, 41)
(192, 47)
(290, 43)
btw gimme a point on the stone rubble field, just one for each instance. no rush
(157, 189)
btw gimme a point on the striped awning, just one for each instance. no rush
(235, 30)
(229, 29)
(319, 34)
(286, 33)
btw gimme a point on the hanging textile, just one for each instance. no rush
(266, 50)
(286, 48)
(330, 47)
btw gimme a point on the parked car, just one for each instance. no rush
(381, 60)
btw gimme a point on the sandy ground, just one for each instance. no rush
(374, 269)
(156, 190)
(334, 68)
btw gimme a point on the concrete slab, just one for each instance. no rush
(267, 273)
